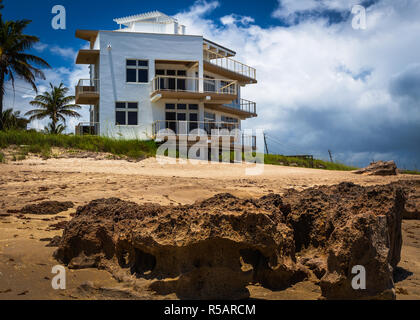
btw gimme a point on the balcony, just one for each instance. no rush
(183, 128)
(87, 56)
(242, 108)
(87, 91)
(228, 67)
(172, 87)
(87, 128)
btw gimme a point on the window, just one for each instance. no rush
(172, 79)
(181, 112)
(229, 119)
(126, 113)
(225, 88)
(137, 71)
(181, 83)
(229, 123)
(209, 84)
(209, 116)
(193, 116)
(209, 122)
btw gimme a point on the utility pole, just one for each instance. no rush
(265, 142)
(330, 153)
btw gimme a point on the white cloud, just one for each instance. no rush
(235, 19)
(326, 86)
(67, 53)
(289, 9)
(40, 47)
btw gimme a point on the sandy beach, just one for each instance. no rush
(25, 262)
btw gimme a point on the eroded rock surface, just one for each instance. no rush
(47, 207)
(380, 168)
(215, 248)
(349, 226)
(412, 206)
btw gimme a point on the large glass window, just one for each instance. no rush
(126, 113)
(229, 123)
(209, 84)
(172, 79)
(193, 116)
(181, 112)
(137, 71)
(209, 122)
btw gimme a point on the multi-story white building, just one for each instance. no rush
(150, 75)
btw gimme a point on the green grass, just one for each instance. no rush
(306, 163)
(402, 171)
(2, 158)
(40, 143)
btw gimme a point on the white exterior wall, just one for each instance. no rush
(113, 86)
(150, 27)
(96, 45)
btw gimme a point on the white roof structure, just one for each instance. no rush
(152, 17)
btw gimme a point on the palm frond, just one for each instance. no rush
(55, 105)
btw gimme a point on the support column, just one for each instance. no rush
(201, 76)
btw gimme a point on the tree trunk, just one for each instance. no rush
(1, 96)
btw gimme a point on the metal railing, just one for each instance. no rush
(87, 86)
(87, 128)
(184, 128)
(244, 105)
(192, 84)
(229, 64)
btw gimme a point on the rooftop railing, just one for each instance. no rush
(229, 64)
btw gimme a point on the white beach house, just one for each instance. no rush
(151, 75)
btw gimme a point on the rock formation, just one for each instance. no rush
(412, 206)
(348, 226)
(215, 248)
(47, 207)
(379, 168)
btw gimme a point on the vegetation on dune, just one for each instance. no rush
(306, 163)
(41, 143)
(403, 171)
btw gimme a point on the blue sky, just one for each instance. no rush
(99, 15)
(323, 85)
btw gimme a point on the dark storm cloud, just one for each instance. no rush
(372, 133)
(407, 83)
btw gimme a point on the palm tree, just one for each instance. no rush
(50, 129)
(12, 120)
(54, 105)
(13, 59)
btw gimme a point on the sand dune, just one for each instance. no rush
(25, 262)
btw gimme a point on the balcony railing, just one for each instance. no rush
(87, 86)
(87, 91)
(229, 64)
(87, 128)
(191, 84)
(184, 128)
(244, 105)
